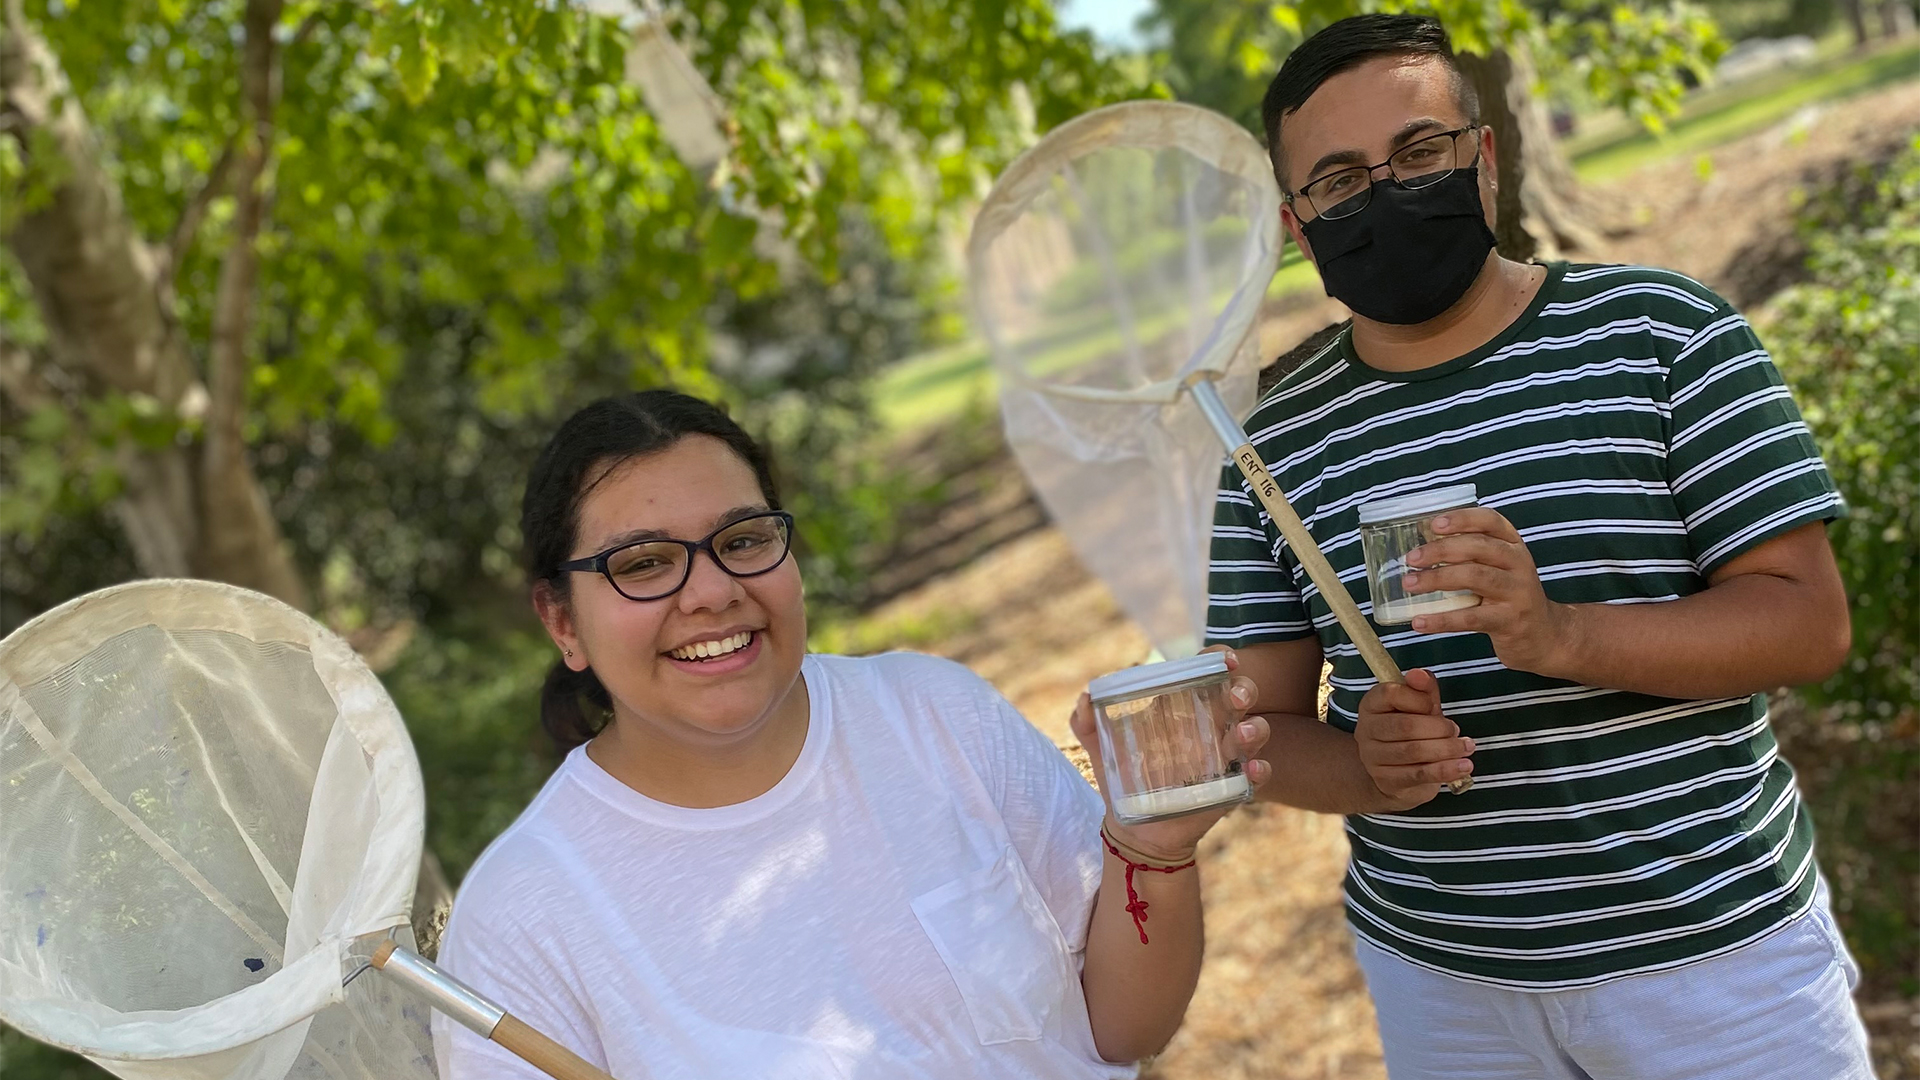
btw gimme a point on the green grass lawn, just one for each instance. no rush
(944, 382)
(1723, 114)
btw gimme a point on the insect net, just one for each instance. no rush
(1113, 265)
(209, 809)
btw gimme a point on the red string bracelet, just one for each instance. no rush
(1137, 907)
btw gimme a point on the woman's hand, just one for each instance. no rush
(1175, 839)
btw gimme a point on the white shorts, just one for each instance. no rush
(1778, 1009)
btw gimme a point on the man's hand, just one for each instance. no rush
(1483, 554)
(1409, 748)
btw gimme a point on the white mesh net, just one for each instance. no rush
(209, 808)
(1119, 260)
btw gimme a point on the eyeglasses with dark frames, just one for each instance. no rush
(1415, 165)
(656, 569)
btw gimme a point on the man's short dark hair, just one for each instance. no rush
(1348, 44)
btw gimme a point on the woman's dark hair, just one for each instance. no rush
(574, 706)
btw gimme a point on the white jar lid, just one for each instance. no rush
(1418, 504)
(1137, 682)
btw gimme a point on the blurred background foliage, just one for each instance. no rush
(1848, 339)
(1849, 343)
(470, 222)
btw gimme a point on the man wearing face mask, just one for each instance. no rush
(1628, 888)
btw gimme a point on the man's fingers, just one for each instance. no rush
(1420, 752)
(1479, 578)
(1395, 779)
(1468, 548)
(1399, 698)
(1424, 681)
(1405, 727)
(1474, 620)
(1476, 519)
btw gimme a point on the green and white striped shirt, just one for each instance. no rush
(1634, 430)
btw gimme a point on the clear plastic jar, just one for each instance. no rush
(1389, 529)
(1165, 739)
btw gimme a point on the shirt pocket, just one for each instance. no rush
(1004, 950)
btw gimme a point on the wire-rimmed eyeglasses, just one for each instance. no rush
(656, 569)
(1415, 165)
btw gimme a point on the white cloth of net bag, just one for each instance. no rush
(205, 800)
(211, 821)
(1114, 266)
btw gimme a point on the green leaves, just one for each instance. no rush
(472, 191)
(1625, 53)
(1846, 343)
(63, 460)
(1631, 55)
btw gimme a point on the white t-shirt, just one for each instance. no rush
(910, 901)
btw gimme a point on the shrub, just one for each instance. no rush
(1848, 342)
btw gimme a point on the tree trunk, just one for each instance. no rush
(1539, 210)
(1857, 18)
(1896, 19)
(104, 297)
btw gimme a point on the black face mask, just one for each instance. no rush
(1410, 254)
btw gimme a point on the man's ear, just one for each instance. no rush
(1489, 174)
(1490, 149)
(1292, 222)
(557, 616)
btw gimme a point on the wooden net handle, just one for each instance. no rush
(466, 1006)
(543, 1053)
(1332, 590)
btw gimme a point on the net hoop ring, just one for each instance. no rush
(310, 981)
(1147, 125)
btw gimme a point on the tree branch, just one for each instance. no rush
(240, 269)
(307, 26)
(241, 541)
(215, 185)
(184, 230)
(91, 274)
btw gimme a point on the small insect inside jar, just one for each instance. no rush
(1389, 530)
(1166, 741)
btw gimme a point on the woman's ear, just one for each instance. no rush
(557, 616)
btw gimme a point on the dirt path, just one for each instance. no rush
(1280, 997)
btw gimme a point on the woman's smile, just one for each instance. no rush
(714, 654)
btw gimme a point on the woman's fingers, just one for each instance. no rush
(1259, 771)
(1082, 721)
(1242, 692)
(1233, 662)
(1252, 734)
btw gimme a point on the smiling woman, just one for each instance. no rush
(762, 863)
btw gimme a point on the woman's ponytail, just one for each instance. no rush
(574, 707)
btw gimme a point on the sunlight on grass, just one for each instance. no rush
(1721, 116)
(862, 636)
(942, 383)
